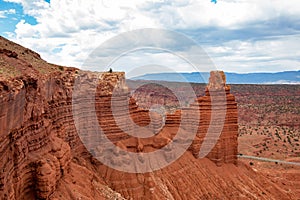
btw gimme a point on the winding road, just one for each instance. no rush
(268, 160)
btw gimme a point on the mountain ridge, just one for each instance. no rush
(285, 77)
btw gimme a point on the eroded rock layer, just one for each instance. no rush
(36, 138)
(218, 122)
(41, 150)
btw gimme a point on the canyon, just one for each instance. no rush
(49, 148)
(268, 123)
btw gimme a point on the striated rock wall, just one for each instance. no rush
(217, 110)
(43, 157)
(218, 121)
(215, 117)
(39, 138)
(35, 134)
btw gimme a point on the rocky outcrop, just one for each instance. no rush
(42, 128)
(34, 156)
(43, 157)
(218, 127)
(46, 128)
(9, 53)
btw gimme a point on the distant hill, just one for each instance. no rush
(287, 77)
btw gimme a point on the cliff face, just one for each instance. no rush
(42, 130)
(36, 135)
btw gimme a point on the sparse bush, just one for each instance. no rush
(61, 68)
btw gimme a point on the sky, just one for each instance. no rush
(237, 35)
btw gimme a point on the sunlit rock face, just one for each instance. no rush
(218, 121)
(39, 137)
(43, 157)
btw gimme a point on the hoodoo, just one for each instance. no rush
(218, 121)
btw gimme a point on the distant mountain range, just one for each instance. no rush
(287, 77)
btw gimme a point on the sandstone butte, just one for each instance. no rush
(43, 157)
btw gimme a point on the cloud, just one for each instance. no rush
(4, 13)
(32, 8)
(272, 54)
(284, 82)
(242, 36)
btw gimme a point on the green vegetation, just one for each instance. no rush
(8, 71)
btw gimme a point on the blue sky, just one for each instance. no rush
(10, 15)
(238, 35)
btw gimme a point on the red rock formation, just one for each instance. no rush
(31, 151)
(8, 53)
(218, 122)
(42, 156)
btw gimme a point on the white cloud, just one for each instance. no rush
(226, 13)
(80, 25)
(9, 34)
(77, 27)
(284, 82)
(11, 11)
(4, 13)
(32, 8)
(13, 1)
(273, 54)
